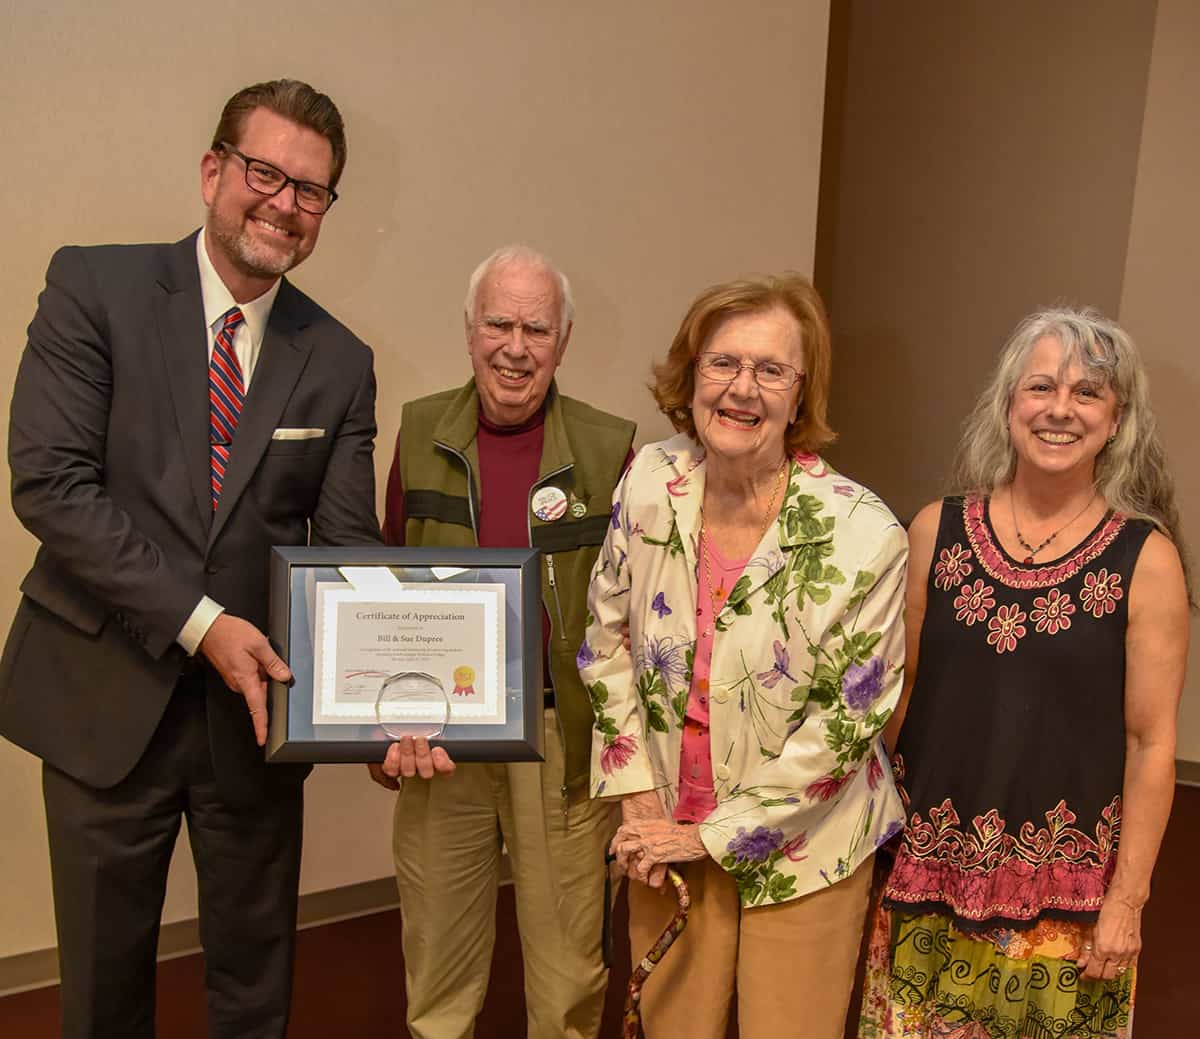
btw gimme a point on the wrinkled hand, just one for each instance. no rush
(244, 659)
(408, 757)
(1115, 941)
(647, 842)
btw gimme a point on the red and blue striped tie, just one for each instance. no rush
(226, 394)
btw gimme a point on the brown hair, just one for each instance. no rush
(293, 100)
(675, 379)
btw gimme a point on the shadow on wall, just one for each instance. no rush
(892, 418)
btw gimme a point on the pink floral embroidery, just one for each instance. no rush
(952, 567)
(1052, 612)
(1006, 628)
(990, 872)
(1032, 575)
(973, 601)
(1101, 592)
(617, 754)
(844, 489)
(824, 788)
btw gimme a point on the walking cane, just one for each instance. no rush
(632, 1021)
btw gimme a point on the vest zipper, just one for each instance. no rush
(562, 627)
(470, 485)
(562, 736)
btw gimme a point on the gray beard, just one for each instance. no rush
(249, 259)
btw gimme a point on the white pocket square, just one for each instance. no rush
(297, 434)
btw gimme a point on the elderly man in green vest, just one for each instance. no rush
(504, 461)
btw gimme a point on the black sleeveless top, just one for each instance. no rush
(1012, 754)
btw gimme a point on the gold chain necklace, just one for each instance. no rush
(1033, 550)
(713, 599)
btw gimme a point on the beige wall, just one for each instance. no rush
(1160, 279)
(993, 158)
(650, 147)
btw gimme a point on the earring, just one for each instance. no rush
(1111, 439)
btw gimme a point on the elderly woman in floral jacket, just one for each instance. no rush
(762, 595)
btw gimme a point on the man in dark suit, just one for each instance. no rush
(178, 410)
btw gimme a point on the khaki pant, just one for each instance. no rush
(793, 963)
(447, 846)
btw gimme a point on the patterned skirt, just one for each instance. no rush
(926, 979)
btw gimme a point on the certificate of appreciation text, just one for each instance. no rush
(451, 632)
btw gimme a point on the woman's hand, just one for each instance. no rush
(647, 841)
(1115, 941)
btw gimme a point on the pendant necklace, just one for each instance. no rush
(1033, 550)
(713, 598)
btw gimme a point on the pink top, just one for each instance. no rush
(696, 796)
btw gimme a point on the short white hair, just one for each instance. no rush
(524, 254)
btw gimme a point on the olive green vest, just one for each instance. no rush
(583, 454)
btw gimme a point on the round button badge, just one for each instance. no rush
(549, 504)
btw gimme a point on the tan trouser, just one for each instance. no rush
(447, 842)
(793, 963)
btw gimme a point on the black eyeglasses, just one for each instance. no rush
(270, 180)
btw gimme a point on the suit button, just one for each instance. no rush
(721, 696)
(721, 772)
(212, 568)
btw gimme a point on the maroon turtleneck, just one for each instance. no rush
(509, 459)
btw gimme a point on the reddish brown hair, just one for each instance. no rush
(293, 100)
(675, 379)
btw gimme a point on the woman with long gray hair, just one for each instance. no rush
(1047, 614)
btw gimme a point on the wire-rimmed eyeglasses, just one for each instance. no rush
(770, 375)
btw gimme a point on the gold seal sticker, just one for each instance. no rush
(464, 678)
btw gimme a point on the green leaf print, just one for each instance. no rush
(598, 694)
(655, 717)
(673, 542)
(781, 887)
(863, 581)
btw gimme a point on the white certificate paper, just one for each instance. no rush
(362, 636)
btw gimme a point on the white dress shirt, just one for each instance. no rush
(247, 344)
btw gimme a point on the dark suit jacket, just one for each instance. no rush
(108, 447)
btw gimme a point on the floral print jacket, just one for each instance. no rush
(806, 669)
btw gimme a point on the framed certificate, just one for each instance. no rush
(388, 642)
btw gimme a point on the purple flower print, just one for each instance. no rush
(585, 656)
(770, 679)
(894, 828)
(755, 846)
(664, 656)
(616, 516)
(862, 683)
(659, 606)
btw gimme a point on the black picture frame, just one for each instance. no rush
(293, 737)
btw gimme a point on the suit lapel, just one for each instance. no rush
(282, 358)
(179, 311)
